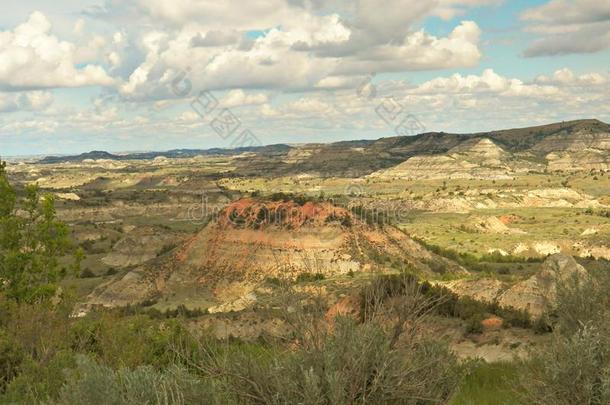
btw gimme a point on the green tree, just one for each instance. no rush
(31, 241)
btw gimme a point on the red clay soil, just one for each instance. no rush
(508, 219)
(251, 213)
(492, 323)
(181, 253)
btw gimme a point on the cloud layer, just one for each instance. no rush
(290, 70)
(569, 27)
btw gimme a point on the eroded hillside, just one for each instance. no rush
(252, 240)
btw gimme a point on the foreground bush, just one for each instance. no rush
(355, 364)
(575, 367)
(91, 383)
(381, 358)
(112, 358)
(572, 370)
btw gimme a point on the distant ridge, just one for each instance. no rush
(362, 157)
(174, 153)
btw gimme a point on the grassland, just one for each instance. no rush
(560, 226)
(488, 384)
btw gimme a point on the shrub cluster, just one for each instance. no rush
(108, 357)
(575, 367)
(471, 261)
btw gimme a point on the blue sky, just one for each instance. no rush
(98, 74)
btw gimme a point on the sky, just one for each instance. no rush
(140, 75)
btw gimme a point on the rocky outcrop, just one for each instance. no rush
(535, 295)
(139, 246)
(538, 293)
(486, 290)
(234, 306)
(475, 158)
(491, 225)
(570, 140)
(481, 149)
(134, 287)
(582, 160)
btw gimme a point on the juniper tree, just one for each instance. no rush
(31, 241)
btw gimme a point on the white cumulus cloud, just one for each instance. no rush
(32, 58)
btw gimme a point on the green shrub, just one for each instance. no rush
(87, 273)
(473, 262)
(111, 271)
(488, 384)
(31, 241)
(307, 277)
(542, 325)
(38, 381)
(167, 248)
(11, 359)
(514, 317)
(275, 281)
(571, 370)
(582, 301)
(574, 368)
(91, 383)
(127, 341)
(474, 324)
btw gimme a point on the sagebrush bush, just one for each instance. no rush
(582, 301)
(116, 357)
(381, 358)
(91, 383)
(571, 370)
(357, 363)
(127, 341)
(575, 367)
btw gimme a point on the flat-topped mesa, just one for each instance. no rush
(254, 239)
(254, 214)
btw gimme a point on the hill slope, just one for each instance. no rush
(573, 145)
(252, 241)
